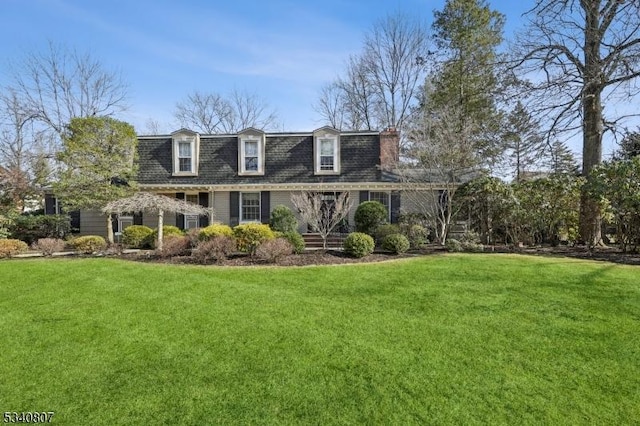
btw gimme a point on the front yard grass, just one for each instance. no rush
(451, 339)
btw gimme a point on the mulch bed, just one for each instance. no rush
(337, 257)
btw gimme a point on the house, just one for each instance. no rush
(242, 177)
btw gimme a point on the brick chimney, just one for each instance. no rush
(389, 148)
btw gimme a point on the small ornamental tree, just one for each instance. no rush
(322, 214)
(99, 164)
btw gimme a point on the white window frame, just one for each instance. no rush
(122, 219)
(191, 218)
(242, 169)
(318, 154)
(241, 206)
(193, 147)
(388, 205)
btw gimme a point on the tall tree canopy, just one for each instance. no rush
(99, 160)
(581, 56)
(468, 34)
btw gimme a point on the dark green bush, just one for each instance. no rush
(369, 216)
(296, 241)
(358, 244)
(384, 230)
(30, 228)
(11, 247)
(283, 220)
(249, 236)
(396, 243)
(89, 244)
(137, 236)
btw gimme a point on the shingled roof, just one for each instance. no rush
(288, 159)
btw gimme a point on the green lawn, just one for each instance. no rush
(455, 339)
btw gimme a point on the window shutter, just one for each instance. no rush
(75, 220)
(114, 223)
(364, 196)
(49, 204)
(137, 218)
(265, 208)
(180, 217)
(234, 208)
(395, 206)
(203, 200)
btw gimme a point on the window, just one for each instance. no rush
(251, 146)
(124, 221)
(185, 153)
(326, 148)
(327, 154)
(184, 157)
(251, 156)
(250, 207)
(384, 198)
(191, 220)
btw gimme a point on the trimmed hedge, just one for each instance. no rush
(89, 244)
(250, 235)
(137, 236)
(283, 220)
(358, 244)
(10, 247)
(296, 241)
(396, 243)
(30, 228)
(369, 216)
(215, 230)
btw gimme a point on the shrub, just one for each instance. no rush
(11, 247)
(396, 243)
(358, 244)
(30, 228)
(249, 236)
(217, 248)
(215, 230)
(272, 250)
(89, 243)
(283, 220)
(136, 236)
(48, 246)
(384, 230)
(174, 245)
(369, 215)
(472, 247)
(453, 245)
(417, 235)
(167, 231)
(296, 241)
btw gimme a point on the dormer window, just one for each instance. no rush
(251, 152)
(326, 151)
(185, 153)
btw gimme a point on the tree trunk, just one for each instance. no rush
(160, 225)
(109, 229)
(592, 128)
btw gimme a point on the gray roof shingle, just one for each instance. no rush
(288, 159)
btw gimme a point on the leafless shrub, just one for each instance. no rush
(48, 246)
(174, 245)
(273, 250)
(217, 248)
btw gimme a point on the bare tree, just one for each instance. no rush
(441, 156)
(581, 56)
(321, 214)
(382, 83)
(61, 83)
(331, 106)
(213, 113)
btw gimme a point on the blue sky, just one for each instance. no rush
(281, 50)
